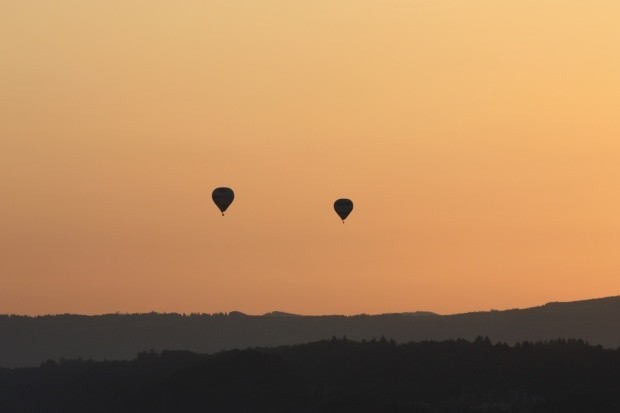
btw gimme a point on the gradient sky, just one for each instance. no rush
(479, 140)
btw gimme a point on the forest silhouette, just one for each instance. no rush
(336, 375)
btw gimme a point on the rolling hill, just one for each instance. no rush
(28, 341)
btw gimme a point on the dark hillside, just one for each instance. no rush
(335, 375)
(27, 341)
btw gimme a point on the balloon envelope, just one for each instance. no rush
(343, 208)
(223, 197)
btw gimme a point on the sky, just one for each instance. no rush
(479, 141)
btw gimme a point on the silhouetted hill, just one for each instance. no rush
(336, 375)
(27, 341)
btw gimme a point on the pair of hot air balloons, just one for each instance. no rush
(223, 197)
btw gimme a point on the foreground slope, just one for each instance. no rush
(330, 376)
(27, 341)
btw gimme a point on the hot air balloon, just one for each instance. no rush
(223, 197)
(343, 208)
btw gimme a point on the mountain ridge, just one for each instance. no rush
(30, 340)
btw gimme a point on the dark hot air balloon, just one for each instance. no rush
(343, 208)
(223, 197)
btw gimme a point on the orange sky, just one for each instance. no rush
(479, 140)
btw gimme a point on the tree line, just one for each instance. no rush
(337, 375)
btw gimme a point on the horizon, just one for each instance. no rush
(286, 313)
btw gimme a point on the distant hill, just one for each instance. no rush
(28, 341)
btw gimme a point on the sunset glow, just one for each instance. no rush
(479, 141)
